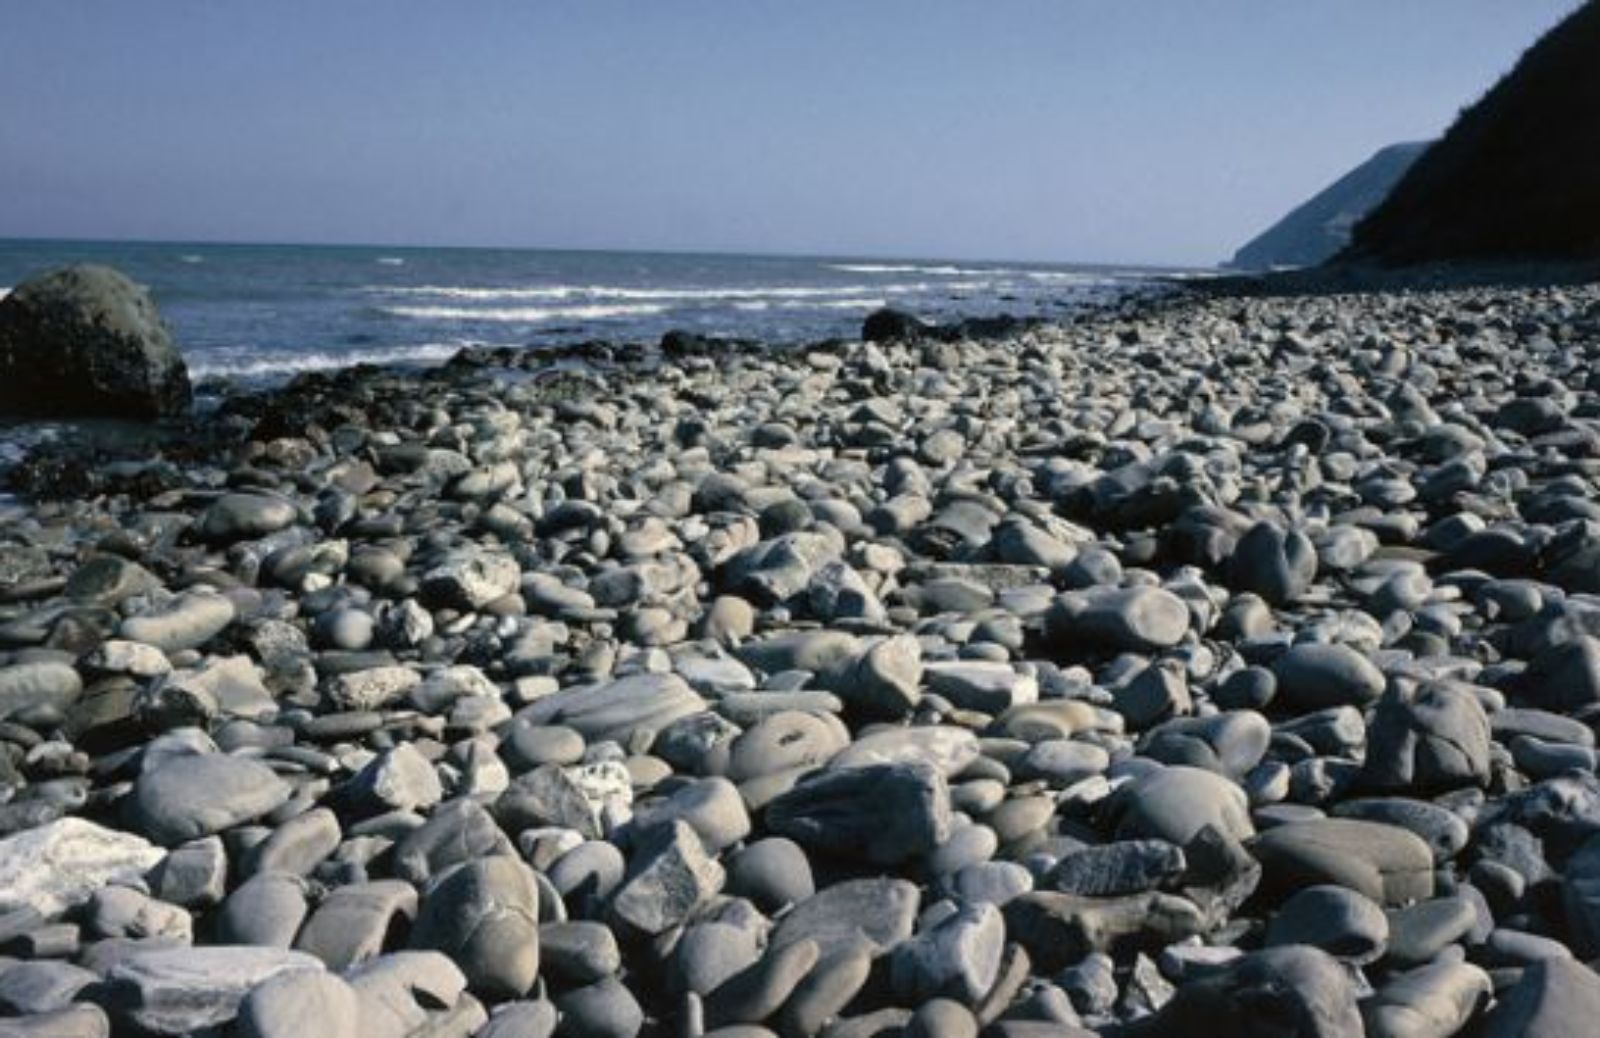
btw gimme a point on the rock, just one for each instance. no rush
(86, 341)
(1434, 741)
(60, 864)
(578, 952)
(667, 880)
(604, 1009)
(712, 807)
(400, 779)
(470, 579)
(945, 747)
(772, 873)
(485, 915)
(354, 922)
(1124, 867)
(615, 710)
(1341, 922)
(958, 957)
(195, 795)
(756, 992)
(1555, 998)
(1434, 1001)
(882, 813)
(1139, 619)
(266, 910)
(372, 689)
(187, 621)
(1059, 929)
(1315, 676)
(890, 325)
(31, 988)
(293, 1005)
(1387, 864)
(990, 688)
(243, 517)
(882, 682)
(1272, 563)
(881, 911)
(1175, 803)
(37, 689)
(1279, 992)
(176, 991)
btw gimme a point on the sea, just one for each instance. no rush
(257, 314)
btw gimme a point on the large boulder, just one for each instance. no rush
(86, 341)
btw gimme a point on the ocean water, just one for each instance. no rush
(260, 313)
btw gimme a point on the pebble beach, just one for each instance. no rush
(1197, 664)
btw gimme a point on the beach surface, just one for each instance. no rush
(1199, 663)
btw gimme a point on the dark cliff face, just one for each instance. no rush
(1517, 177)
(1318, 228)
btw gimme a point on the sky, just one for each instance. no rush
(1117, 131)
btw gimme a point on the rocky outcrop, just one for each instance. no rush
(85, 341)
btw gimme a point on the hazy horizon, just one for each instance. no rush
(1047, 130)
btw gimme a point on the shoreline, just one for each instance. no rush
(1102, 672)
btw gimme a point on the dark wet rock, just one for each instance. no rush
(1273, 563)
(1059, 929)
(882, 813)
(85, 340)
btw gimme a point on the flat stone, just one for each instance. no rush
(195, 795)
(176, 991)
(615, 710)
(58, 865)
(879, 910)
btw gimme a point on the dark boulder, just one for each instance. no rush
(890, 325)
(86, 341)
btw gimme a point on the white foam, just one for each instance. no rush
(939, 270)
(190, 257)
(565, 292)
(5, 290)
(257, 365)
(392, 261)
(523, 314)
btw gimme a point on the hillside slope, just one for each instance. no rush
(1318, 228)
(1517, 177)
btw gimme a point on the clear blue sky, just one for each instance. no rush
(1109, 130)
